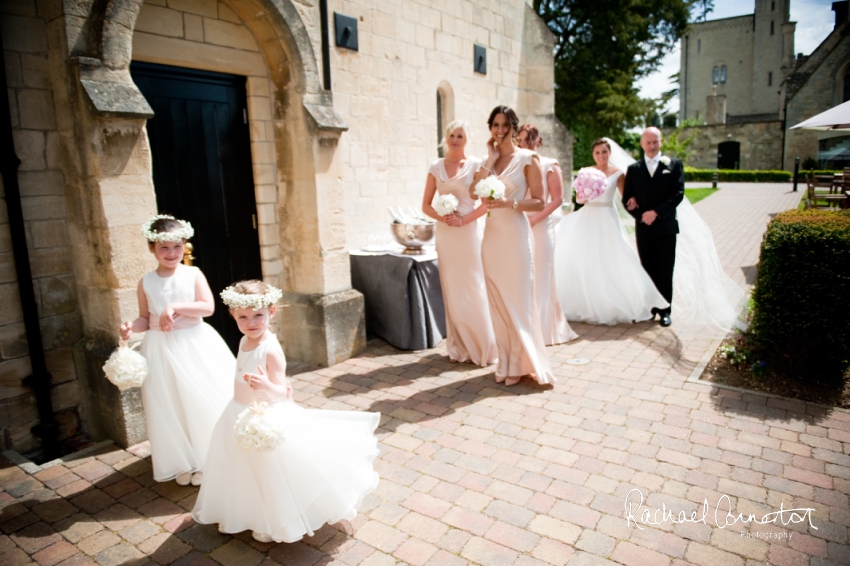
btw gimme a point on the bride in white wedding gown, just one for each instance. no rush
(599, 277)
(599, 283)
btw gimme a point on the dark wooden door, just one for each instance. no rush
(202, 171)
(728, 155)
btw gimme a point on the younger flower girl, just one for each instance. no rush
(320, 471)
(189, 365)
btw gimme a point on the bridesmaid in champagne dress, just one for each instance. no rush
(554, 324)
(469, 330)
(507, 253)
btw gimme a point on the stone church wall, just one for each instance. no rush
(321, 189)
(387, 93)
(761, 144)
(721, 42)
(822, 91)
(31, 101)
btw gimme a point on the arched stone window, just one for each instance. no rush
(722, 73)
(445, 110)
(718, 74)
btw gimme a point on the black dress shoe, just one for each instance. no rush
(665, 320)
(653, 311)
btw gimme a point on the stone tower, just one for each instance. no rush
(773, 44)
(745, 58)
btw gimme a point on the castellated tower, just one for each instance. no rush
(744, 58)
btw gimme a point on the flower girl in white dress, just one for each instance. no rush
(189, 365)
(322, 467)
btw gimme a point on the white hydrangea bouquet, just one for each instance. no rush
(445, 204)
(126, 368)
(491, 187)
(259, 428)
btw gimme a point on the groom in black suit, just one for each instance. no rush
(654, 187)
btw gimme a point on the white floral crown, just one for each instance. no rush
(185, 231)
(236, 300)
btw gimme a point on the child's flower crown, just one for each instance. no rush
(185, 231)
(236, 300)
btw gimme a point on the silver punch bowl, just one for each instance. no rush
(413, 236)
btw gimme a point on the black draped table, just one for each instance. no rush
(404, 299)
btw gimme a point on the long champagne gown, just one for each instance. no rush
(190, 369)
(600, 279)
(556, 330)
(507, 251)
(469, 330)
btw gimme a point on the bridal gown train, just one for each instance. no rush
(599, 277)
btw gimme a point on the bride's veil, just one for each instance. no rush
(706, 299)
(621, 159)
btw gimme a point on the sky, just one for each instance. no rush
(814, 18)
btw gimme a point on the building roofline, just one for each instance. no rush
(720, 20)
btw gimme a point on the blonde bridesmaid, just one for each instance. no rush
(554, 324)
(469, 330)
(507, 253)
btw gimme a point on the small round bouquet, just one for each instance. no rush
(589, 184)
(445, 204)
(491, 187)
(126, 368)
(259, 428)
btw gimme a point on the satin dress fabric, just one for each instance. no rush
(319, 474)
(599, 277)
(469, 329)
(507, 251)
(190, 369)
(554, 324)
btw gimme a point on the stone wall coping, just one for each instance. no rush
(326, 118)
(112, 93)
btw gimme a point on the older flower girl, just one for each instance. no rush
(275, 468)
(189, 364)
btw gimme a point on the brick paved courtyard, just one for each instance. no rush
(476, 473)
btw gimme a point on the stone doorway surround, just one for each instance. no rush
(107, 166)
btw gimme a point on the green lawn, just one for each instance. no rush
(696, 195)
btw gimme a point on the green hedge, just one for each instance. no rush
(737, 176)
(801, 299)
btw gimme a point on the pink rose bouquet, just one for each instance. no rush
(589, 184)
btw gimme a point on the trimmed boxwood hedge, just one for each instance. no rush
(801, 299)
(737, 176)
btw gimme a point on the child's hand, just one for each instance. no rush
(126, 330)
(258, 381)
(166, 320)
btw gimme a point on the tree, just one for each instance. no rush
(602, 48)
(675, 147)
(704, 8)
